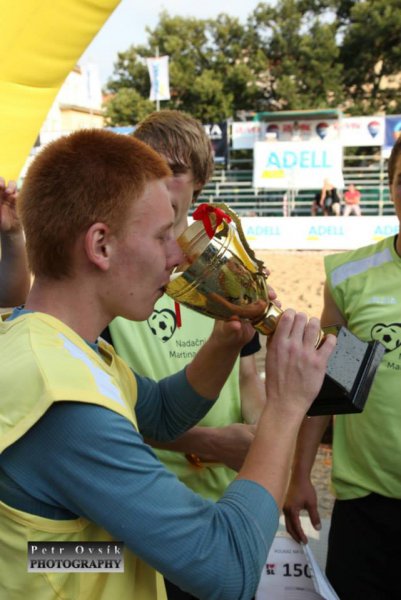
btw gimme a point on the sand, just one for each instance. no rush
(297, 277)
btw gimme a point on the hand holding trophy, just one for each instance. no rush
(221, 277)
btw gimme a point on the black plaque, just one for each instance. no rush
(349, 376)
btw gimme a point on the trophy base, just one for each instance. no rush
(349, 376)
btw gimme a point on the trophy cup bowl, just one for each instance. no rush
(221, 278)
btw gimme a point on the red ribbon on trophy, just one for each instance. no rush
(203, 212)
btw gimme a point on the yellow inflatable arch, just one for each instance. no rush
(40, 43)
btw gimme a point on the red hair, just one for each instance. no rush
(87, 177)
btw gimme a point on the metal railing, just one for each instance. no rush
(234, 186)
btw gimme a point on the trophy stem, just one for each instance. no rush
(268, 323)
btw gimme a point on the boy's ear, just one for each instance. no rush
(198, 187)
(98, 245)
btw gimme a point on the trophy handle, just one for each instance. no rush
(235, 218)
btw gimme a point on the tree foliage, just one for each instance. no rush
(372, 52)
(302, 56)
(289, 55)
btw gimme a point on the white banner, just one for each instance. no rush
(351, 131)
(363, 131)
(159, 78)
(297, 165)
(304, 131)
(245, 133)
(316, 233)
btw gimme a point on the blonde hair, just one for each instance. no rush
(181, 139)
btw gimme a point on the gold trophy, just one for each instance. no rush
(221, 278)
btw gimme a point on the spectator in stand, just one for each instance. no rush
(316, 209)
(14, 273)
(330, 200)
(352, 199)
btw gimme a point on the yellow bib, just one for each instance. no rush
(43, 361)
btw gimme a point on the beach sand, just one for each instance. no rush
(297, 277)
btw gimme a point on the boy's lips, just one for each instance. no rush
(164, 286)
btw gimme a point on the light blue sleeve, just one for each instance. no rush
(91, 462)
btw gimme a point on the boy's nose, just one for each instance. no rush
(176, 255)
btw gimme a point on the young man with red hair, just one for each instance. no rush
(74, 467)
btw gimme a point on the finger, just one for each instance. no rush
(11, 187)
(291, 530)
(315, 518)
(299, 532)
(285, 323)
(252, 311)
(294, 527)
(298, 328)
(312, 331)
(271, 293)
(234, 324)
(327, 346)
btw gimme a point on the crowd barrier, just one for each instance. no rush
(317, 233)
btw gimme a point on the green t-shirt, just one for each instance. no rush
(366, 287)
(157, 348)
